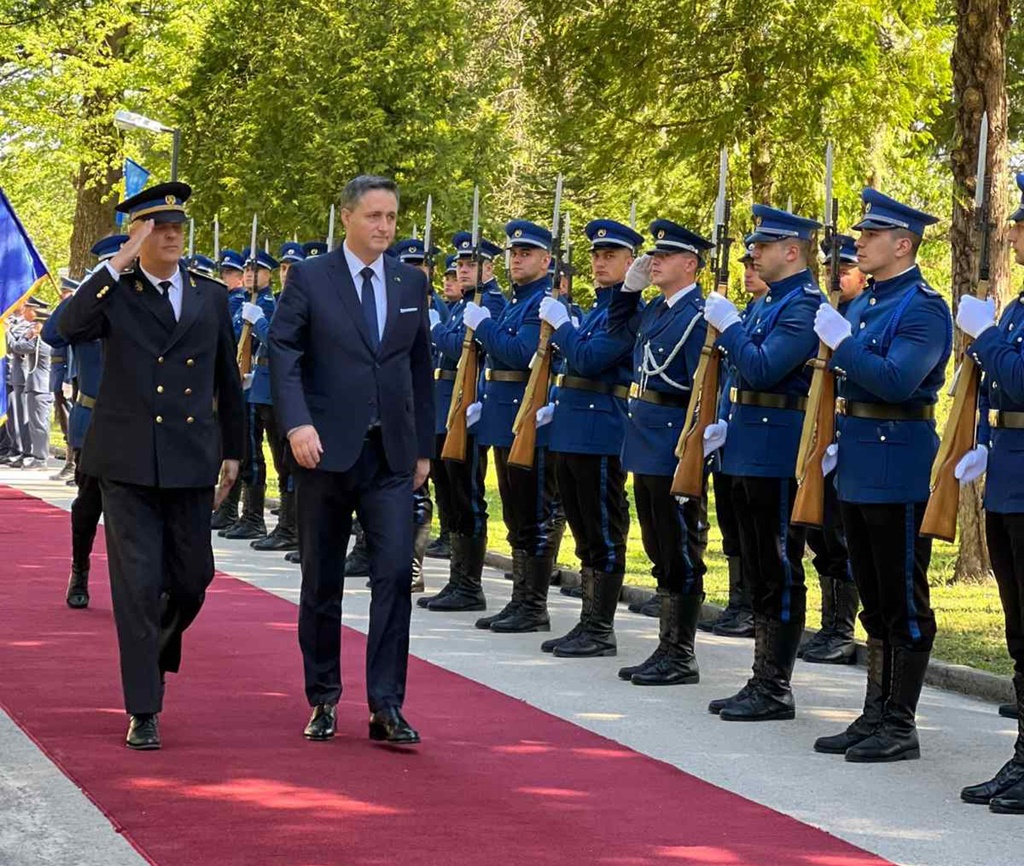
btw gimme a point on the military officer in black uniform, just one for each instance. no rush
(168, 419)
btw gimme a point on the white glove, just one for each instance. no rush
(553, 312)
(474, 314)
(830, 459)
(972, 465)
(638, 277)
(247, 381)
(545, 413)
(714, 436)
(974, 316)
(720, 312)
(252, 313)
(435, 318)
(473, 413)
(830, 326)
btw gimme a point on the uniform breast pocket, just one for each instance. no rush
(882, 454)
(766, 436)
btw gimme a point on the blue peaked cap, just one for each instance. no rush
(263, 259)
(449, 264)
(412, 251)
(463, 242)
(847, 250)
(164, 203)
(291, 251)
(314, 248)
(203, 264)
(670, 237)
(772, 224)
(603, 234)
(882, 212)
(231, 260)
(523, 233)
(106, 247)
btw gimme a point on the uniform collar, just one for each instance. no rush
(603, 296)
(542, 284)
(911, 276)
(678, 296)
(175, 278)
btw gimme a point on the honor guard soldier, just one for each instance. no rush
(204, 265)
(465, 479)
(251, 525)
(834, 643)
(766, 356)
(527, 495)
(997, 349)
(889, 355)
(37, 396)
(587, 429)
(314, 248)
(669, 333)
(155, 441)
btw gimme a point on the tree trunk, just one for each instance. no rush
(979, 86)
(758, 148)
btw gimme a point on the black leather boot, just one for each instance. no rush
(532, 613)
(626, 673)
(771, 699)
(650, 607)
(285, 536)
(466, 580)
(597, 634)
(227, 515)
(732, 609)
(895, 739)
(678, 664)
(587, 587)
(1006, 785)
(838, 646)
(251, 523)
(557, 534)
(828, 618)
(741, 622)
(1008, 711)
(518, 564)
(293, 556)
(357, 563)
(78, 587)
(760, 653)
(440, 547)
(573, 591)
(874, 699)
(420, 539)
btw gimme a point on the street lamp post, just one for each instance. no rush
(130, 120)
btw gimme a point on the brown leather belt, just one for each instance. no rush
(578, 383)
(883, 411)
(507, 376)
(85, 400)
(676, 401)
(764, 400)
(444, 375)
(263, 362)
(1006, 420)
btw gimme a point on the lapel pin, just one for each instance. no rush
(138, 286)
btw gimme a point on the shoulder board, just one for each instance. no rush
(203, 276)
(928, 290)
(812, 289)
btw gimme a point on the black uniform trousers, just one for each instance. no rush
(86, 511)
(527, 501)
(382, 499)
(771, 545)
(422, 505)
(890, 567)
(467, 493)
(1005, 535)
(727, 522)
(671, 534)
(254, 464)
(592, 488)
(161, 562)
(60, 411)
(442, 486)
(828, 543)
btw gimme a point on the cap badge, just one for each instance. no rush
(518, 233)
(661, 234)
(170, 199)
(602, 232)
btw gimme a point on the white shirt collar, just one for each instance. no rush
(175, 278)
(678, 296)
(356, 265)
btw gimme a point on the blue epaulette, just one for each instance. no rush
(928, 290)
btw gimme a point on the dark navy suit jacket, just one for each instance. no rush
(325, 372)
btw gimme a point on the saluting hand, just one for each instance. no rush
(638, 277)
(306, 447)
(228, 477)
(129, 252)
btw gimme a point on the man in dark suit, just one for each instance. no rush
(352, 382)
(167, 417)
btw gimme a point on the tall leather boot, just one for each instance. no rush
(226, 515)
(454, 567)
(828, 617)
(741, 621)
(597, 637)
(771, 698)
(466, 579)
(251, 524)
(757, 669)
(678, 664)
(725, 615)
(285, 536)
(626, 673)
(357, 563)
(650, 607)
(838, 646)
(557, 534)
(874, 699)
(519, 558)
(588, 586)
(895, 739)
(440, 547)
(532, 613)
(77, 595)
(1005, 791)
(420, 540)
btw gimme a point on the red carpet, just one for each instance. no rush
(497, 782)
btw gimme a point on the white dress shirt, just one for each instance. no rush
(174, 291)
(678, 296)
(355, 267)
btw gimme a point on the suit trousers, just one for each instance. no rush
(1005, 535)
(467, 492)
(528, 502)
(773, 547)
(592, 488)
(161, 562)
(890, 567)
(671, 533)
(325, 501)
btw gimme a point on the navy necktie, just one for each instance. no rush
(166, 286)
(370, 307)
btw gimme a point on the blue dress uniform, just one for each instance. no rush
(669, 334)
(527, 495)
(586, 435)
(259, 412)
(766, 356)
(890, 371)
(464, 480)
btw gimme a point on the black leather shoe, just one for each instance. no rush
(389, 726)
(77, 595)
(143, 733)
(1009, 775)
(1010, 801)
(322, 722)
(1008, 711)
(293, 556)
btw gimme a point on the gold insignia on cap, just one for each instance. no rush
(602, 232)
(867, 208)
(518, 233)
(170, 199)
(758, 221)
(661, 234)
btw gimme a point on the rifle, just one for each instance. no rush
(467, 373)
(535, 397)
(245, 340)
(820, 416)
(702, 410)
(959, 435)
(330, 230)
(428, 256)
(568, 261)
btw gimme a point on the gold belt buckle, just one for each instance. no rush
(733, 392)
(840, 405)
(634, 390)
(559, 379)
(993, 417)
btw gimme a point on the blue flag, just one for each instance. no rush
(21, 272)
(135, 177)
